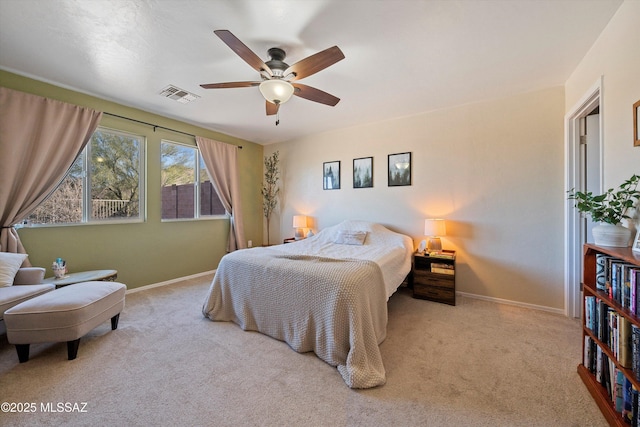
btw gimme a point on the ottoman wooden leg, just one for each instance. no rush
(23, 352)
(114, 322)
(72, 348)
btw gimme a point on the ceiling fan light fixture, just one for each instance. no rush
(276, 91)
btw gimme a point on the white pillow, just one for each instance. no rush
(9, 265)
(346, 237)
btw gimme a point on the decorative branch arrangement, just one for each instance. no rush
(270, 188)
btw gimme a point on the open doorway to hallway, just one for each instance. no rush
(583, 126)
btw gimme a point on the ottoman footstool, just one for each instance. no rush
(65, 314)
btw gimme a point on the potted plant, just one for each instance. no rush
(270, 188)
(608, 210)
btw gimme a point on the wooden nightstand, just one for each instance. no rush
(289, 240)
(433, 277)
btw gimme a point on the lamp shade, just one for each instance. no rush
(299, 221)
(435, 227)
(276, 91)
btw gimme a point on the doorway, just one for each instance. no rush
(583, 126)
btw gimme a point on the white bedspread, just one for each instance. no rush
(332, 305)
(391, 251)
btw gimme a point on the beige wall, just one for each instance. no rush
(494, 170)
(153, 251)
(615, 57)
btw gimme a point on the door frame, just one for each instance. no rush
(573, 247)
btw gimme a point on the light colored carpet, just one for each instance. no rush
(475, 364)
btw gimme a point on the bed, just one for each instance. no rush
(327, 294)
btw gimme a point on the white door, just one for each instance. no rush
(590, 169)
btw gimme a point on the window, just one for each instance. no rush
(105, 183)
(187, 191)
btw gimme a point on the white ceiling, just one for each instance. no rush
(403, 57)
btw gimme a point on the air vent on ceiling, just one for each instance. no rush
(178, 94)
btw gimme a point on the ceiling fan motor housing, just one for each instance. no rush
(277, 63)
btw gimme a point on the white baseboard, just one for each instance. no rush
(464, 294)
(514, 303)
(169, 282)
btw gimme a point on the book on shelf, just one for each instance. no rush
(589, 311)
(442, 268)
(599, 356)
(625, 348)
(625, 285)
(590, 354)
(635, 353)
(612, 324)
(608, 376)
(615, 281)
(442, 254)
(618, 394)
(586, 361)
(601, 271)
(603, 321)
(627, 400)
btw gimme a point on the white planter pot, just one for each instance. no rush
(611, 235)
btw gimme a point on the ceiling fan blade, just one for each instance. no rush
(243, 51)
(272, 109)
(229, 85)
(313, 94)
(314, 63)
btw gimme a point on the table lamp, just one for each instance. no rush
(299, 222)
(433, 229)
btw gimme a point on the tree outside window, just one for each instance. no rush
(103, 184)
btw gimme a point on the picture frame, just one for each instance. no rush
(331, 175)
(363, 172)
(636, 124)
(635, 247)
(399, 169)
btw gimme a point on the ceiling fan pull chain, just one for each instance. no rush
(278, 117)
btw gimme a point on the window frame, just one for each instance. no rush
(199, 165)
(85, 154)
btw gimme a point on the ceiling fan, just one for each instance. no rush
(278, 81)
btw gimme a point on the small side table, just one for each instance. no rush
(83, 276)
(433, 277)
(289, 240)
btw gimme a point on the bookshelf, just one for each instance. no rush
(598, 289)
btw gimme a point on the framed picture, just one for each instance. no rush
(636, 242)
(399, 169)
(331, 175)
(636, 124)
(363, 172)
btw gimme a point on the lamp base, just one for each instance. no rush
(434, 244)
(299, 234)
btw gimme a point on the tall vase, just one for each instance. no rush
(611, 235)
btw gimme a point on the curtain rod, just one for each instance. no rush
(153, 126)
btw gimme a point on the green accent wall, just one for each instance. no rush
(152, 251)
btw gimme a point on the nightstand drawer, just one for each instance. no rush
(433, 279)
(434, 293)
